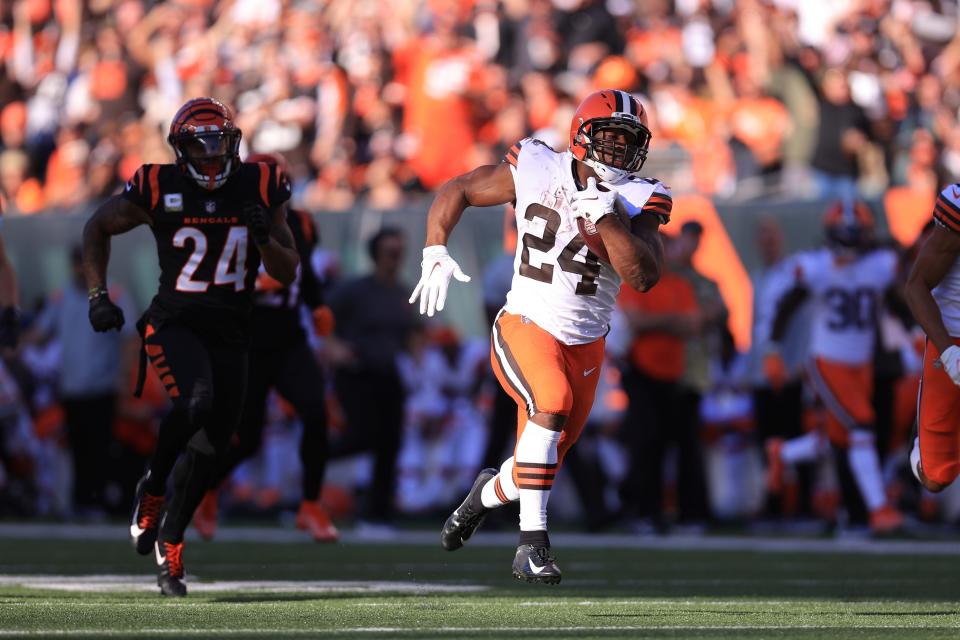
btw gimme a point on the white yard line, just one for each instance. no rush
(126, 583)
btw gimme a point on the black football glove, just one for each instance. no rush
(104, 315)
(258, 221)
(9, 327)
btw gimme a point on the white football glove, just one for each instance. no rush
(438, 267)
(950, 361)
(593, 204)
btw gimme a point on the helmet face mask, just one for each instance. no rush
(206, 142)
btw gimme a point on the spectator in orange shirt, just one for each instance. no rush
(661, 320)
(438, 114)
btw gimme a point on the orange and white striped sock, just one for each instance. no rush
(500, 489)
(536, 467)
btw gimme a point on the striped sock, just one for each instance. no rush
(500, 489)
(536, 466)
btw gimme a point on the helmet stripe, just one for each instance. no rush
(627, 103)
(619, 97)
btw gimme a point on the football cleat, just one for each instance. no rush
(171, 579)
(313, 518)
(885, 520)
(536, 565)
(205, 517)
(146, 517)
(465, 519)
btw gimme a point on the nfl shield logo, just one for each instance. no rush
(210, 206)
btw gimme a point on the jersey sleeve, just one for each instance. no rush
(660, 203)
(143, 189)
(810, 269)
(646, 196)
(274, 185)
(946, 212)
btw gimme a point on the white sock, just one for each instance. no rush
(805, 448)
(915, 458)
(500, 489)
(865, 465)
(536, 455)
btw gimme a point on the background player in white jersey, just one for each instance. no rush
(933, 293)
(847, 281)
(547, 342)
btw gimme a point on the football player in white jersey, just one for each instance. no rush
(847, 281)
(933, 293)
(548, 341)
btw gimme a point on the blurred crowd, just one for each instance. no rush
(376, 101)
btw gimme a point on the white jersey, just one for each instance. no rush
(947, 293)
(847, 297)
(557, 283)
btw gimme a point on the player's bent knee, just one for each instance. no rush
(552, 421)
(200, 404)
(938, 479)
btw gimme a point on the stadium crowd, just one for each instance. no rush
(375, 104)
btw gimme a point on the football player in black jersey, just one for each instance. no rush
(281, 358)
(214, 220)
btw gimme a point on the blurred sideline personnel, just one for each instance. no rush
(848, 281)
(9, 300)
(548, 341)
(281, 358)
(933, 293)
(214, 219)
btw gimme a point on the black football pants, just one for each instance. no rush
(206, 380)
(298, 379)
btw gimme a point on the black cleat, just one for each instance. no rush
(535, 564)
(146, 518)
(465, 520)
(170, 560)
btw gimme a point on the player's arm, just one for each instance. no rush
(636, 253)
(276, 244)
(935, 259)
(115, 216)
(485, 186)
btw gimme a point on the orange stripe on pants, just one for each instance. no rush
(560, 379)
(938, 418)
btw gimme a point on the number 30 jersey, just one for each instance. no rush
(558, 283)
(208, 261)
(847, 298)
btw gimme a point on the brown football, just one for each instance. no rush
(592, 238)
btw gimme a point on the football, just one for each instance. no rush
(591, 235)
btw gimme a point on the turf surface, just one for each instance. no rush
(416, 591)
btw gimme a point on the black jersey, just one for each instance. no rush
(208, 260)
(276, 319)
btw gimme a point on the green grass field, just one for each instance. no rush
(367, 590)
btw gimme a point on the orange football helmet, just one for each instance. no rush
(624, 150)
(206, 141)
(849, 224)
